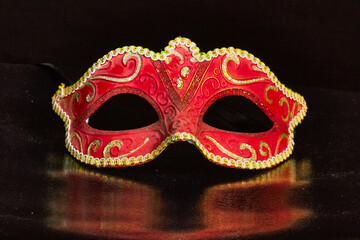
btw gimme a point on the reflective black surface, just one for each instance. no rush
(180, 195)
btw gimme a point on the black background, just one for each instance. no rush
(307, 43)
(312, 47)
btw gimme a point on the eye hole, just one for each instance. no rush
(123, 112)
(238, 114)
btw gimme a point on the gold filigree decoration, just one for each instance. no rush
(185, 71)
(242, 146)
(89, 97)
(76, 96)
(293, 109)
(167, 60)
(282, 136)
(75, 134)
(107, 149)
(281, 102)
(262, 152)
(270, 87)
(118, 144)
(256, 68)
(179, 83)
(176, 53)
(62, 86)
(212, 84)
(238, 81)
(125, 60)
(96, 144)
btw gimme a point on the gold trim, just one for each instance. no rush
(237, 81)
(126, 58)
(197, 56)
(62, 86)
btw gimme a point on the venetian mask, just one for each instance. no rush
(180, 83)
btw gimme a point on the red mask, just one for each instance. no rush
(181, 84)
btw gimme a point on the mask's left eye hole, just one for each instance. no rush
(123, 112)
(238, 114)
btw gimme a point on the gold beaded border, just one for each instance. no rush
(197, 56)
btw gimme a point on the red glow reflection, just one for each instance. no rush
(94, 204)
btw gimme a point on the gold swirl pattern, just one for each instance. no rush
(293, 109)
(179, 83)
(216, 71)
(167, 60)
(125, 59)
(282, 136)
(95, 143)
(176, 53)
(238, 81)
(262, 152)
(89, 97)
(107, 149)
(281, 102)
(256, 68)
(76, 96)
(118, 144)
(185, 71)
(242, 146)
(75, 134)
(270, 87)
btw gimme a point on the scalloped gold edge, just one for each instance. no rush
(199, 56)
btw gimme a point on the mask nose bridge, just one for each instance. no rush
(180, 123)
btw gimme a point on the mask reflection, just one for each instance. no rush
(87, 202)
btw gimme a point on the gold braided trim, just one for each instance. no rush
(197, 56)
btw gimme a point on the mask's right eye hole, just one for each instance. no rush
(123, 112)
(238, 114)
